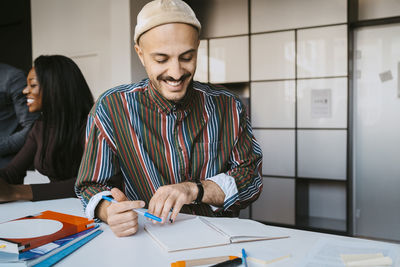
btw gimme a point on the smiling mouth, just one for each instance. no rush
(174, 83)
(29, 101)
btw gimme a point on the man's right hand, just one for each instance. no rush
(122, 220)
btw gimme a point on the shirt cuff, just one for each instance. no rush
(228, 186)
(93, 202)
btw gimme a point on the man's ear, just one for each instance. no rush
(139, 52)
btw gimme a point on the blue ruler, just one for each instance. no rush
(50, 261)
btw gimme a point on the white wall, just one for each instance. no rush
(138, 71)
(96, 34)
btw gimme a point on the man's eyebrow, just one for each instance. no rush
(158, 54)
(165, 55)
(187, 52)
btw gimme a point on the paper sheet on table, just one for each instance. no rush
(359, 257)
(326, 252)
(364, 260)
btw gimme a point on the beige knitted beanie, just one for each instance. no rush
(159, 12)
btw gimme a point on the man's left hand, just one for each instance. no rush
(176, 195)
(172, 197)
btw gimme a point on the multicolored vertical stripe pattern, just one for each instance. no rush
(134, 132)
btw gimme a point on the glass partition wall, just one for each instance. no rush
(377, 131)
(303, 68)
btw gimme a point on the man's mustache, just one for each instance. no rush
(169, 78)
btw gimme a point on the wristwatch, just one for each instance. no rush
(200, 193)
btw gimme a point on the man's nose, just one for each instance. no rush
(175, 70)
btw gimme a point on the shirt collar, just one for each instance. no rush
(166, 105)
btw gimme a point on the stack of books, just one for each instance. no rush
(43, 239)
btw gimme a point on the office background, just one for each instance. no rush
(319, 77)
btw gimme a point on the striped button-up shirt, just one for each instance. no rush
(135, 133)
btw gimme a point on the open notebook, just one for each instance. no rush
(190, 232)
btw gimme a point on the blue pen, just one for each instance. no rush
(244, 256)
(145, 214)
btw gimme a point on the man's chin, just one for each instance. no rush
(174, 96)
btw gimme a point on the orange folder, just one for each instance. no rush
(71, 225)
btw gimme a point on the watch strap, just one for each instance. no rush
(200, 193)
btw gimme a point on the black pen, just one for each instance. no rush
(228, 263)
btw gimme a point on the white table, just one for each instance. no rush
(141, 250)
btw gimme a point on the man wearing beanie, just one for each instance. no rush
(177, 144)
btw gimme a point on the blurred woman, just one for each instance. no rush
(54, 146)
